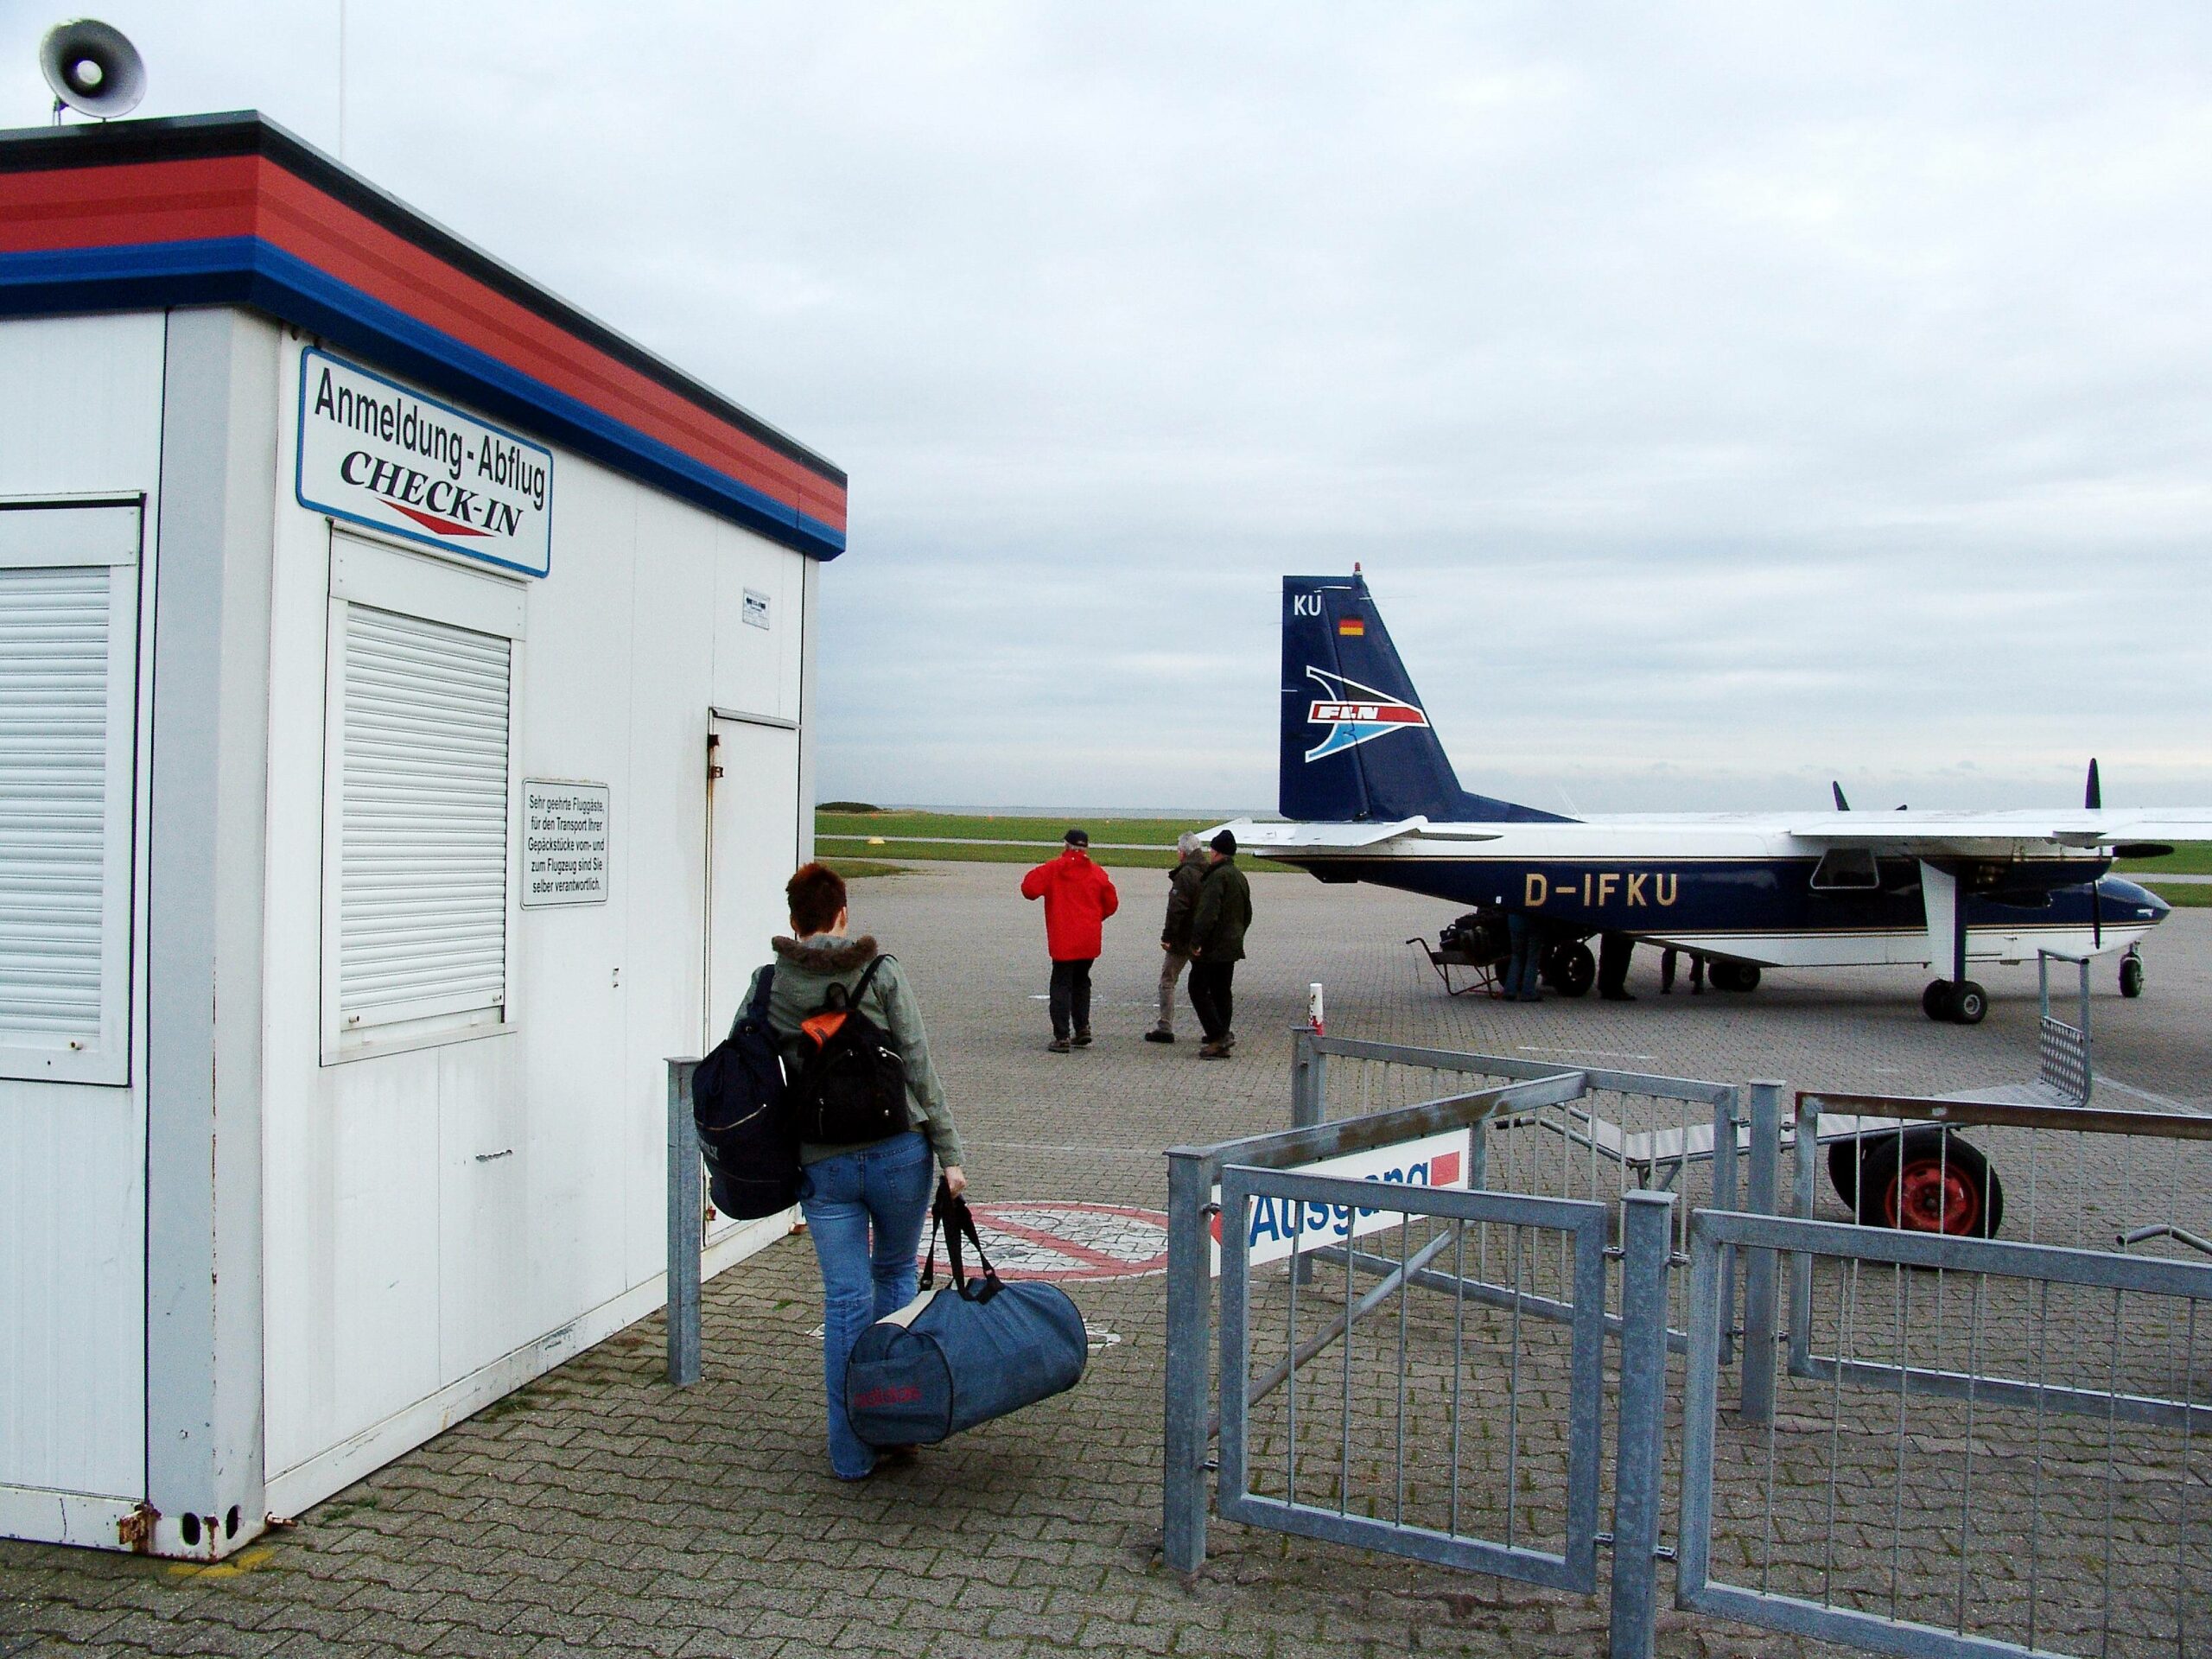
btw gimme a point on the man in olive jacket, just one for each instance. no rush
(1175, 933)
(1217, 926)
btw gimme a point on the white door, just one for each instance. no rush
(753, 827)
(753, 823)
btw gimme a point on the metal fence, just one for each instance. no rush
(1193, 1208)
(1974, 1469)
(1375, 1447)
(1945, 1445)
(2068, 1176)
(1626, 1132)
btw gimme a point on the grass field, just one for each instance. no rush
(2191, 858)
(841, 835)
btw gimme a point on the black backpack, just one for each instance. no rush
(848, 1078)
(739, 1106)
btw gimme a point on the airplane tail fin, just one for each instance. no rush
(1355, 742)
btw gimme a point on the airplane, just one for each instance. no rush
(1369, 795)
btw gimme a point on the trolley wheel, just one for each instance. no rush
(1574, 970)
(1935, 1001)
(2131, 975)
(1734, 975)
(1969, 1003)
(1843, 1168)
(1927, 1180)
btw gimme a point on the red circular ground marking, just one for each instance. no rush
(1040, 1239)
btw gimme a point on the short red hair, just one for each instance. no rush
(816, 894)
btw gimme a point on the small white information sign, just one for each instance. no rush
(756, 608)
(374, 453)
(563, 842)
(1439, 1160)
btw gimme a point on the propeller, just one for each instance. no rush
(1841, 805)
(2093, 794)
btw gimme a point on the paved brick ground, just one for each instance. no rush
(600, 1510)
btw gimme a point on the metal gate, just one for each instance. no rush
(1451, 1527)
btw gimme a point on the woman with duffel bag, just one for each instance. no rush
(869, 1111)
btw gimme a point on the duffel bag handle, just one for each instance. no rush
(952, 1212)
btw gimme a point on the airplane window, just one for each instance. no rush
(1846, 869)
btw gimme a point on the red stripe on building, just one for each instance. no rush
(251, 195)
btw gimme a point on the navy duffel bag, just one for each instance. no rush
(954, 1358)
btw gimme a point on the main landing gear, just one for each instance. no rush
(1734, 975)
(1954, 1001)
(1569, 968)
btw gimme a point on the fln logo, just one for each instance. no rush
(1355, 714)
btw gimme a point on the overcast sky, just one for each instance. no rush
(1718, 400)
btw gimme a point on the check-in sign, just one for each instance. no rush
(1439, 1161)
(374, 453)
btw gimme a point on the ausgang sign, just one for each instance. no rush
(375, 453)
(1275, 1225)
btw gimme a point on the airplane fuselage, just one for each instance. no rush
(1367, 793)
(1742, 888)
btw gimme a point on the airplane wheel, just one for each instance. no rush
(1969, 1003)
(1927, 1181)
(1575, 971)
(1935, 1001)
(2131, 975)
(1734, 975)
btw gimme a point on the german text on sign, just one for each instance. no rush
(374, 453)
(564, 843)
(1439, 1160)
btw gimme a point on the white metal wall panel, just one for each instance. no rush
(423, 837)
(68, 758)
(80, 402)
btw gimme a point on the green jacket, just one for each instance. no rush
(1183, 900)
(804, 971)
(1224, 911)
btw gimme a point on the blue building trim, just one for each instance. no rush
(247, 272)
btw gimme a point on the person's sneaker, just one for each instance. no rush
(1083, 1039)
(1160, 1034)
(1058, 1046)
(1213, 1052)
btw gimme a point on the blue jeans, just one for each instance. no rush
(1523, 971)
(887, 1184)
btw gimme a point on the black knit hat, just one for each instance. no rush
(1225, 843)
(1078, 837)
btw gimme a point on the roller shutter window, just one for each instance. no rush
(424, 831)
(68, 660)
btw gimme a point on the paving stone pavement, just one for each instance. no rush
(599, 1511)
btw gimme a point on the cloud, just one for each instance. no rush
(1719, 399)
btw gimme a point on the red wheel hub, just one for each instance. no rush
(1932, 1196)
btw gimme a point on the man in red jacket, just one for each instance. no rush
(1078, 896)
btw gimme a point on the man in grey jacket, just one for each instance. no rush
(1175, 934)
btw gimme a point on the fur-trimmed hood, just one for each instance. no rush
(826, 956)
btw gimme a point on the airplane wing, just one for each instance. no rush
(1339, 837)
(1938, 834)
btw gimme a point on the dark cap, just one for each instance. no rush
(1225, 843)
(1078, 837)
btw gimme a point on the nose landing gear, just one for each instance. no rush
(2130, 974)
